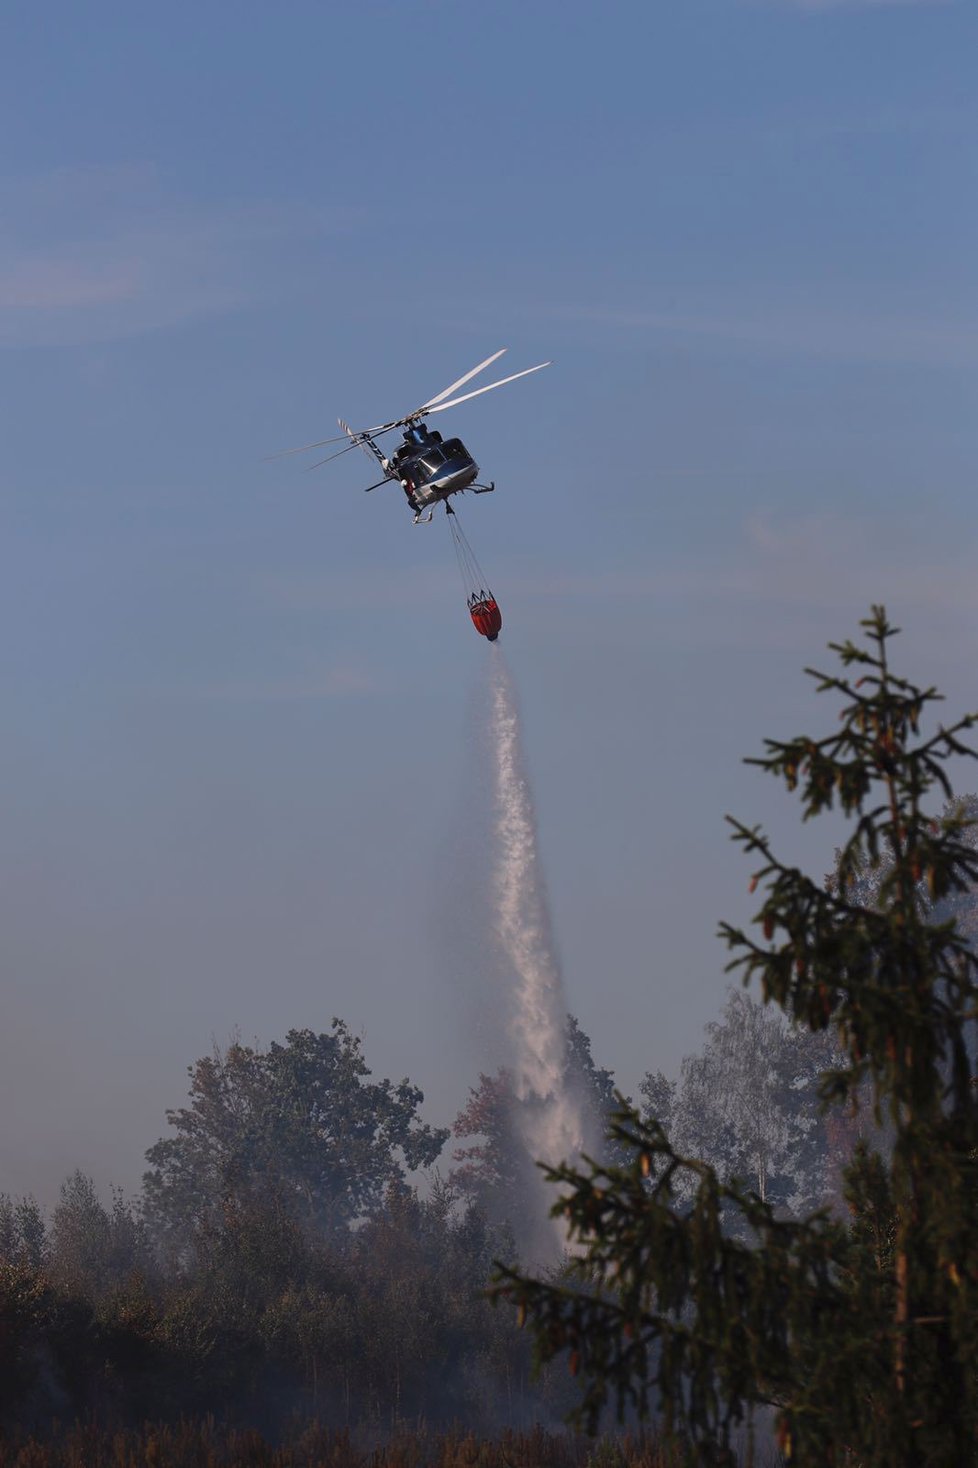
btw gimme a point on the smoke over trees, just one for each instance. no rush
(278, 1262)
(280, 1259)
(748, 1104)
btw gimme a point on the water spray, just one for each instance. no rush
(549, 1116)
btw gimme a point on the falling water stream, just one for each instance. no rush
(549, 1115)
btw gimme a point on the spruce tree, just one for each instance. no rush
(690, 1297)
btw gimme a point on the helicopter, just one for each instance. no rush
(428, 467)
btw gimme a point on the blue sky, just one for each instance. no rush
(241, 753)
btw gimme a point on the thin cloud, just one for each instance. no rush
(865, 4)
(55, 284)
(365, 590)
(312, 686)
(101, 253)
(782, 579)
(825, 334)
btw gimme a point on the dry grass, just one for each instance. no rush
(204, 1444)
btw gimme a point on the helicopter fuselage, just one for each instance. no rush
(431, 468)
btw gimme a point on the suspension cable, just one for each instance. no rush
(474, 581)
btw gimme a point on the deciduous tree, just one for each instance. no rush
(748, 1103)
(301, 1124)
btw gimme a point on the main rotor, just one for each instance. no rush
(438, 404)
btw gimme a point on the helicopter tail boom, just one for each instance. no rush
(366, 443)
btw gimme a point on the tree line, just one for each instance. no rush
(283, 1257)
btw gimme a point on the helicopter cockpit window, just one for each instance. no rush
(432, 459)
(454, 448)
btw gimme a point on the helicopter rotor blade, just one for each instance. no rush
(330, 457)
(369, 433)
(440, 407)
(303, 448)
(447, 392)
(436, 404)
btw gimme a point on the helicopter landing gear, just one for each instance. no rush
(483, 488)
(425, 519)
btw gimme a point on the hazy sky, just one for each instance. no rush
(241, 753)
